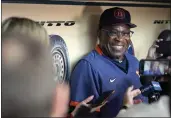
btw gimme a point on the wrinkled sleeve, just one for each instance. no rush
(83, 83)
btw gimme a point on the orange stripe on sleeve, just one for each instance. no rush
(99, 50)
(73, 103)
(98, 110)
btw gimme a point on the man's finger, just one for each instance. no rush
(130, 89)
(161, 39)
(136, 92)
(169, 57)
(88, 99)
(137, 101)
(85, 104)
(156, 46)
(159, 55)
(158, 40)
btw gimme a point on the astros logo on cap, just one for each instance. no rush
(119, 13)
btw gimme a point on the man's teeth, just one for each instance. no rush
(118, 46)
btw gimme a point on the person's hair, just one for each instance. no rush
(165, 35)
(27, 79)
(25, 26)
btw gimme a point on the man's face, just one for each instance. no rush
(115, 40)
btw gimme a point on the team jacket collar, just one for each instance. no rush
(99, 50)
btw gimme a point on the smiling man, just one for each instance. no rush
(109, 66)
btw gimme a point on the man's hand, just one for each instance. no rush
(152, 50)
(129, 95)
(83, 103)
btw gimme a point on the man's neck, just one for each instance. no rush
(119, 59)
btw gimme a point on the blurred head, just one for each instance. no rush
(28, 88)
(114, 32)
(165, 35)
(25, 26)
(27, 82)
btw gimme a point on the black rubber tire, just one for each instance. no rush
(60, 58)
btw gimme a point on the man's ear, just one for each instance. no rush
(129, 43)
(98, 34)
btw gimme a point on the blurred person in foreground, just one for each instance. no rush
(162, 107)
(28, 88)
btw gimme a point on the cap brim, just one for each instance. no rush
(131, 25)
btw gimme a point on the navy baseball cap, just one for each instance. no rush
(114, 16)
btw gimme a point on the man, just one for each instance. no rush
(109, 66)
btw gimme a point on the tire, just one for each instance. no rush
(60, 59)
